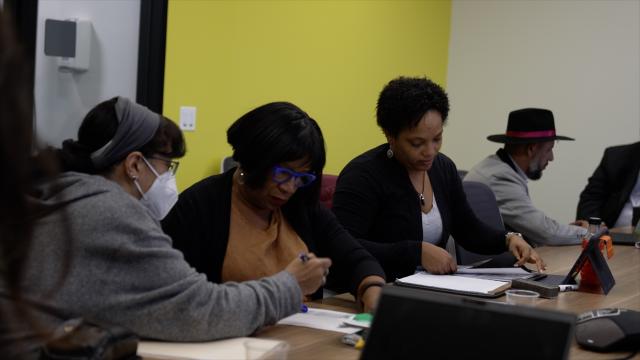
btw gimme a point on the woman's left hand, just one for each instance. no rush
(370, 298)
(372, 286)
(524, 252)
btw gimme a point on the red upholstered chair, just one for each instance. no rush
(327, 187)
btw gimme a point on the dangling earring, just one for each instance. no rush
(241, 178)
(389, 153)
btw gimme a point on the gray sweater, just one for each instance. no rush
(123, 270)
(517, 210)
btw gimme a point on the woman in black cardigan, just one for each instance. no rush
(403, 198)
(249, 221)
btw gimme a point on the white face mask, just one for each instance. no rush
(162, 194)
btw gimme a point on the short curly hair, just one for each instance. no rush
(405, 100)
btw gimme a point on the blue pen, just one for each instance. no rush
(304, 308)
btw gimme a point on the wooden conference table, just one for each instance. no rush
(625, 265)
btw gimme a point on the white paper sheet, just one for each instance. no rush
(321, 319)
(502, 270)
(212, 350)
(500, 274)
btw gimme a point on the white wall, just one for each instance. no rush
(62, 99)
(578, 58)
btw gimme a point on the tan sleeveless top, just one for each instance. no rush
(253, 253)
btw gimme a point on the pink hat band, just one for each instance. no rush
(531, 134)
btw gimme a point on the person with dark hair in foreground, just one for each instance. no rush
(252, 220)
(21, 159)
(404, 198)
(119, 182)
(16, 183)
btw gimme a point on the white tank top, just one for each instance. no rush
(432, 224)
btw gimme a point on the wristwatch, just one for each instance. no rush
(511, 233)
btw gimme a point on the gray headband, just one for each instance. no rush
(136, 127)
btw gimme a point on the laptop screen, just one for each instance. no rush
(414, 323)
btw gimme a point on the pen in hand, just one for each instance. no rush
(309, 271)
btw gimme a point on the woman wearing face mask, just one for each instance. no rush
(252, 220)
(119, 182)
(402, 199)
(131, 146)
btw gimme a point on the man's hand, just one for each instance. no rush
(582, 223)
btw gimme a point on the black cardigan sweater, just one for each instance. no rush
(376, 202)
(199, 227)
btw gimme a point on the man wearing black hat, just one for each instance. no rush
(528, 149)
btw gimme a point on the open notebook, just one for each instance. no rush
(212, 350)
(455, 284)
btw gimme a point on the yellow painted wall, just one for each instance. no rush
(331, 58)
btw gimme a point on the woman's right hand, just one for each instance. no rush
(437, 260)
(310, 274)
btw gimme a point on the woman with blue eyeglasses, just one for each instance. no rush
(251, 221)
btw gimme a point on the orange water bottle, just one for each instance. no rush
(588, 278)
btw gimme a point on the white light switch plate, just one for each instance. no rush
(188, 118)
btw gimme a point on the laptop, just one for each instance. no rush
(626, 239)
(411, 324)
(592, 254)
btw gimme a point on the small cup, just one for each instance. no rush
(522, 297)
(257, 349)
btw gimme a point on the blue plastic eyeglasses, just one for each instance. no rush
(282, 175)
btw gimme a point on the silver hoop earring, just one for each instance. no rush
(389, 153)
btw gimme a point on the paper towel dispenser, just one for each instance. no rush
(70, 42)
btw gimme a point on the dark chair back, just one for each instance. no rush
(484, 205)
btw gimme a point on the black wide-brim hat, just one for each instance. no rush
(529, 126)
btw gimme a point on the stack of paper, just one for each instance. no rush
(454, 283)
